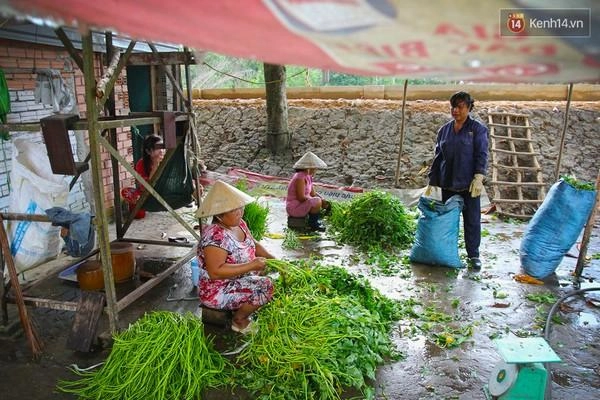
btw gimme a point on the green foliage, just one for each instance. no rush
(325, 330)
(542, 297)
(290, 241)
(255, 214)
(219, 71)
(373, 219)
(577, 184)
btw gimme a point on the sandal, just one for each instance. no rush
(250, 328)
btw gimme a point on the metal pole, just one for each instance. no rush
(96, 161)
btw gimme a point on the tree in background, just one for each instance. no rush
(218, 71)
(278, 136)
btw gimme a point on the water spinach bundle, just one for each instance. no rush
(373, 219)
(316, 339)
(255, 214)
(163, 355)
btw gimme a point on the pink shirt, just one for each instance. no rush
(293, 205)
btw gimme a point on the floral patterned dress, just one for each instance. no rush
(230, 294)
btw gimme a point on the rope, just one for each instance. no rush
(305, 70)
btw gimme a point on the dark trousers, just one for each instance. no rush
(471, 213)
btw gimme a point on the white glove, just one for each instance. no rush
(476, 185)
(428, 191)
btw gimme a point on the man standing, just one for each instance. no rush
(459, 167)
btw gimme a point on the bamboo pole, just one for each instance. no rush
(96, 161)
(110, 71)
(564, 133)
(401, 134)
(30, 332)
(108, 87)
(587, 232)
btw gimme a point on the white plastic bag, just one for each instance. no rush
(34, 189)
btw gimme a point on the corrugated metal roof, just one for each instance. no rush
(38, 31)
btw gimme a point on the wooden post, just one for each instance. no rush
(587, 232)
(96, 161)
(193, 139)
(401, 135)
(564, 132)
(30, 332)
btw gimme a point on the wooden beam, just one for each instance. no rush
(47, 303)
(397, 177)
(140, 291)
(25, 217)
(163, 58)
(28, 328)
(96, 161)
(102, 123)
(69, 47)
(587, 232)
(563, 133)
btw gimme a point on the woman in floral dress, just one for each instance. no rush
(231, 261)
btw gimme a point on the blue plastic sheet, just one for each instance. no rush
(436, 242)
(554, 228)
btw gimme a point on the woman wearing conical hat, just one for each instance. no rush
(302, 200)
(231, 262)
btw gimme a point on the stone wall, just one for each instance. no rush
(359, 139)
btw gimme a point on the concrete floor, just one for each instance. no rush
(491, 301)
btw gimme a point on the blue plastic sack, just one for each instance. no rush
(436, 242)
(554, 228)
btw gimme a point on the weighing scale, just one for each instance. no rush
(522, 374)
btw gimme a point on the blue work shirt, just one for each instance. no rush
(459, 156)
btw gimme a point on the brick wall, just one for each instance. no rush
(19, 62)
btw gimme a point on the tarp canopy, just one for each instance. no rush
(469, 40)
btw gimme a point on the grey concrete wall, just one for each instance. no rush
(359, 139)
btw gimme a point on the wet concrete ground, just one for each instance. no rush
(490, 301)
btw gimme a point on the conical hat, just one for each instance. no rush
(309, 160)
(222, 198)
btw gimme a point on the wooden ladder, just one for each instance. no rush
(517, 181)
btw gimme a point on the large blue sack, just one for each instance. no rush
(554, 228)
(436, 242)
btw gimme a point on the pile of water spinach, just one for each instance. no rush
(373, 219)
(324, 333)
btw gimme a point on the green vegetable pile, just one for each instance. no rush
(290, 241)
(164, 355)
(255, 214)
(577, 184)
(319, 335)
(373, 219)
